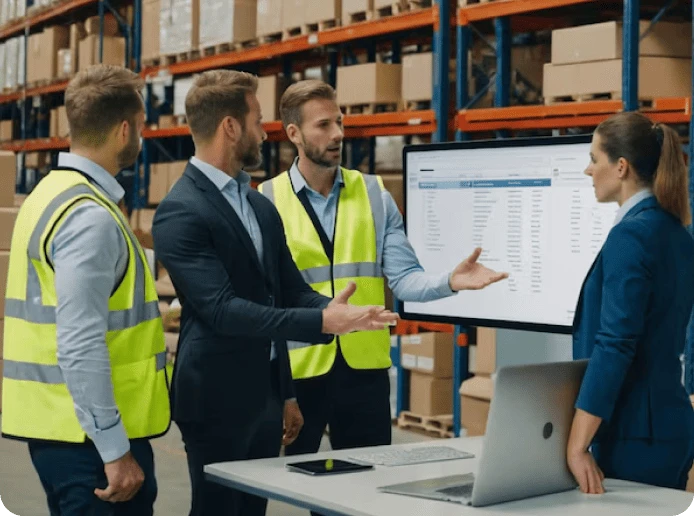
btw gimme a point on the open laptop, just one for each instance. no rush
(524, 453)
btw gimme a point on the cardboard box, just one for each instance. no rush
(4, 266)
(42, 57)
(658, 77)
(158, 182)
(293, 13)
(268, 17)
(113, 51)
(369, 83)
(8, 179)
(430, 353)
(350, 7)
(475, 400)
(417, 70)
(176, 170)
(324, 10)
(394, 184)
(181, 87)
(269, 97)
(430, 396)
(484, 362)
(67, 64)
(379, 4)
(602, 41)
(36, 160)
(8, 216)
(150, 29)
(91, 25)
(63, 124)
(19, 200)
(179, 26)
(227, 21)
(6, 130)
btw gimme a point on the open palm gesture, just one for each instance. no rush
(471, 275)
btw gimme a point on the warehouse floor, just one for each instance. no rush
(22, 494)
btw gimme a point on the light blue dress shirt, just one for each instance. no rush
(235, 191)
(90, 256)
(406, 277)
(632, 201)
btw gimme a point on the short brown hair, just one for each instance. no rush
(654, 153)
(99, 98)
(216, 94)
(299, 94)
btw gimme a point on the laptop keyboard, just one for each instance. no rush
(412, 456)
(464, 491)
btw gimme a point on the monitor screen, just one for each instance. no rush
(528, 204)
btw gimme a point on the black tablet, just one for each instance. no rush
(327, 467)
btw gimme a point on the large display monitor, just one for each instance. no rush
(528, 204)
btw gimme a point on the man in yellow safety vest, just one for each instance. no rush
(342, 226)
(84, 371)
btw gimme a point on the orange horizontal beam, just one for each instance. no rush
(405, 21)
(529, 112)
(412, 118)
(389, 130)
(18, 26)
(39, 144)
(500, 8)
(271, 128)
(32, 92)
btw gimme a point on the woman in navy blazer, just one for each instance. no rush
(633, 419)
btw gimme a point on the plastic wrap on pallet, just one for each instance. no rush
(227, 21)
(2, 65)
(21, 61)
(12, 10)
(4, 11)
(178, 26)
(181, 89)
(11, 62)
(21, 9)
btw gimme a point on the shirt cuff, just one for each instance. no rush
(444, 286)
(112, 443)
(289, 399)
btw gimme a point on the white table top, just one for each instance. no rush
(355, 494)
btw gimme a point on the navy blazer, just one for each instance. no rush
(631, 321)
(232, 305)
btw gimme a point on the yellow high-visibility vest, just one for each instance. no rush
(360, 216)
(35, 400)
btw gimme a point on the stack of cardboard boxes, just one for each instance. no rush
(179, 26)
(369, 84)
(8, 216)
(162, 177)
(587, 62)
(59, 125)
(476, 392)
(227, 21)
(12, 53)
(429, 357)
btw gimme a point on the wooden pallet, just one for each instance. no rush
(166, 121)
(43, 82)
(369, 109)
(401, 7)
(150, 61)
(179, 57)
(418, 105)
(292, 32)
(438, 426)
(269, 38)
(312, 28)
(463, 3)
(644, 102)
(358, 17)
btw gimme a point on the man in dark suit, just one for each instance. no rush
(224, 247)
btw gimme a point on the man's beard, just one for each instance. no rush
(250, 155)
(321, 158)
(127, 156)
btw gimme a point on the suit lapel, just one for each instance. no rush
(265, 223)
(215, 197)
(579, 304)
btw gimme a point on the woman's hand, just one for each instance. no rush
(586, 471)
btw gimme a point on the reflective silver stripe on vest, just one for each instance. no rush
(294, 344)
(33, 311)
(269, 191)
(51, 374)
(341, 271)
(373, 189)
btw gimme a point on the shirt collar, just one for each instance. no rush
(631, 202)
(94, 172)
(220, 179)
(299, 183)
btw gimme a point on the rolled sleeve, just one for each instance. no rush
(626, 290)
(87, 251)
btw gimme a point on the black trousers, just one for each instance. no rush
(217, 441)
(69, 474)
(354, 403)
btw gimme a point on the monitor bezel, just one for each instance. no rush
(484, 144)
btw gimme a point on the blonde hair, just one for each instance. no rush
(98, 99)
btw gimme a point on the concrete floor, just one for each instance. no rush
(21, 492)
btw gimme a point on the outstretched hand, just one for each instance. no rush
(340, 317)
(471, 275)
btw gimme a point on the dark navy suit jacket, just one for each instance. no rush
(631, 321)
(233, 306)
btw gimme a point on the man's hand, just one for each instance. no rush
(293, 422)
(586, 471)
(339, 317)
(470, 275)
(125, 477)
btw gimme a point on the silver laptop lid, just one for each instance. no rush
(530, 418)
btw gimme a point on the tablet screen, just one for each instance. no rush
(327, 467)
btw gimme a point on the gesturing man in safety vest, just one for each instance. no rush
(84, 380)
(342, 226)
